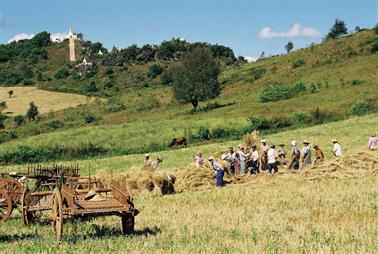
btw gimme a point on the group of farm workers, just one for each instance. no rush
(263, 158)
(267, 158)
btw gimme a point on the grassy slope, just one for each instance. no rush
(352, 134)
(135, 127)
(45, 100)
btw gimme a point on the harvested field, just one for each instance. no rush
(46, 101)
(355, 165)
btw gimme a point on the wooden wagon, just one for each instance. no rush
(71, 197)
(11, 190)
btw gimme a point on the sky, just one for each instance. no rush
(248, 27)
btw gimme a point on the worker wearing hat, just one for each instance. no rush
(198, 159)
(295, 155)
(264, 155)
(306, 154)
(219, 169)
(231, 159)
(336, 148)
(281, 153)
(243, 160)
(147, 160)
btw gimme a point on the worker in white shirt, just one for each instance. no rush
(272, 163)
(255, 160)
(336, 148)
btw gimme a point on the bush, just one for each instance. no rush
(356, 82)
(25, 154)
(202, 133)
(19, 120)
(375, 28)
(299, 87)
(299, 117)
(361, 108)
(318, 116)
(154, 71)
(91, 88)
(274, 92)
(32, 112)
(62, 74)
(6, 136)
(88, 118)
(55, 124)
(114, 105)
(257, 72)
(312, 88)
(298, 63)
(259, 123)
(374, 47)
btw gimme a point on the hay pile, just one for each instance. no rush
(192, 178)
(141, 180)
(349, 166)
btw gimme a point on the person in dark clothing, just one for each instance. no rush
(295, 155)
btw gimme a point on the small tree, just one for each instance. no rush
(10, 93)
(338, 29)
(289, 46)
(32, 112)
(3, 105)
(196, 79)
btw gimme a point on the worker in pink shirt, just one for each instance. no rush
(372, 141)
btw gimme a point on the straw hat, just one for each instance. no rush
(263, 141)
(334, 140)
(223, 156)
(306, 141)
(373, 134)
(211, 158)
(293, 142)
(147, 155)
(281, 144)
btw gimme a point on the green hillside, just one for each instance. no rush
(325, 82)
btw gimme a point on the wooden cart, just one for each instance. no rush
(73, 197)
(10, 195)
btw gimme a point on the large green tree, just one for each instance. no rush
(196, 79)
(338, 29)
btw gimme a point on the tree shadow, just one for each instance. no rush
(17, 237)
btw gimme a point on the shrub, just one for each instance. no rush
(299, 87)
(360, 108)
(318, 116)
(259, 123)
(279, 123)
(114, 105)
(154, 71)
(25, 154)
(312, 88)
(6, 136)
(62, 74)
(91, 88)
(376, 28)
(298, 62)
(19, 120)
(356, 82)
(202, 133)
(219, 132)
(55, 124)
(88, 118)
(257, 72)
(166, 78)
(274, 92)
(374, 47)
(299, 117)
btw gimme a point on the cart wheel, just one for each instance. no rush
(14, 189)
(5, 205)
(27, 217)
(128, 222)
(57, 214)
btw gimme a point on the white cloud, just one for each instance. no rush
(251, 59)
(21, 36)
(295, 31)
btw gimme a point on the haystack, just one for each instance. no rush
(138, 180)
(192, 178)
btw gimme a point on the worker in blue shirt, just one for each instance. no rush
(219, 169)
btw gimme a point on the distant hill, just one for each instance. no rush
(324, 82)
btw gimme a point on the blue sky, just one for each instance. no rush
(237, 24)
